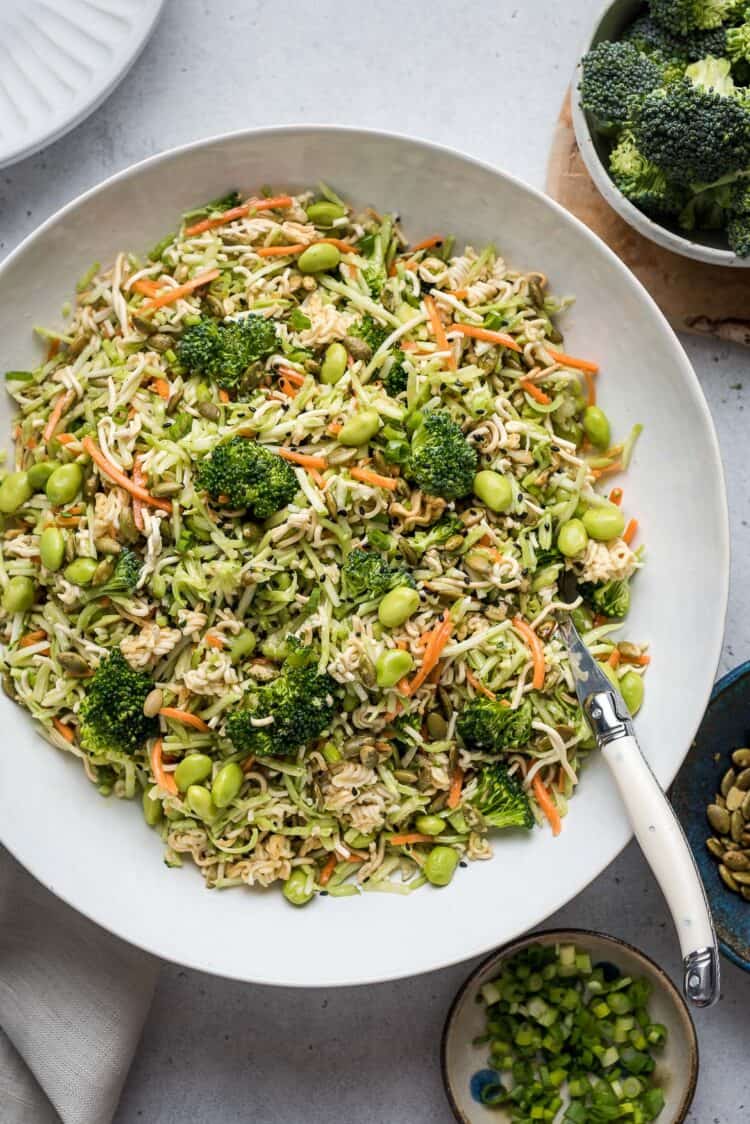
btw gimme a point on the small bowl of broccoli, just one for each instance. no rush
(661, 113)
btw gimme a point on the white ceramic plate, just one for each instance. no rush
(99, 855)
(59, 59)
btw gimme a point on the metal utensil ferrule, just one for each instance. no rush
(608, 721)
(701, 979)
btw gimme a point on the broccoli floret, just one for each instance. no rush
(436, 535)
(369, 330)
(501, 800)
(738, 234)
(374, 247)
(611, 598)
(707, 209)
(242, 473)
(441, 460)
(642, 182)
(300, 701)
(396, 379)
(613, 76)
(652, 39)
(488, 725)
(738, 43)
(112, 715)
(712, 74)
(694, 135)
(367, 576)
(683, 16)
(225, 351)
(123, 580)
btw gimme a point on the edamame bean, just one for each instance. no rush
(429, 825)
(604, 523)
(18, 595)
(39, 474)
(359, 429)
(15, 490)
(596, 426)
(152, 812)
(572, 538)
(201, 802)
(331, 752)
(392, 666)
(631, 689)
(52, 548)
(324, 213)
(298, 888)
(192, 770)
(65, 483)
(318, 258)
(493, 489)
(397, 606)
(81, 571)
(242, 645)
(226, 784)
(334, 363)
(440, 865)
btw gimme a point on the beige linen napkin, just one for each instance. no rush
(73, 1000)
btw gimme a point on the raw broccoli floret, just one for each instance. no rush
(369, 330)
(396, 379)
(694, 135)
(441, 461)
(224, 351)
(488, 725)
(374, 247)
(738, 43)
(652, 39)
(683, 16)
(738, 234)
(707, 209)
(123, 580)
(242, 473)
(436, 535)
(112, 715)
(611, 598)
(366, 575)
(300, 702)
(642, 182)
(501, 800)
(613, 75)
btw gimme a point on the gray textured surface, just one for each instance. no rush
(487, 78)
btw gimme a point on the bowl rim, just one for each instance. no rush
(501, 953)
(647, 227)
(99, 916)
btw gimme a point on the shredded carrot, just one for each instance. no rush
(65, 731)
(64, 520)
(536, 648)
(296, 378)
(535, 392)
(546, 803)
(330, 865)
(409, 345)
(146, 287)
(171, 295)
(560, 784)
(305, 459)
(60, 407)
(438, 639)
(65, 438)
(32, 638)
(616, 466)
(238, 213)
(162, 388)
(478, 685)
(614, 659)
(409, 837)
(590, 388)
(248, 763)
(438, 331)
(599, 618)
(163, 779)
(475, 333)
(139, 480)
(280, 251)
(637, 661)
(317, 479)
(120, 478)
(213, 640)
(334, 428)
(31, 443)
(427, 243)
(53, 349)
(615, 496)
(571, 361)
(185, 717)
(345, 247)
(368, 477)
(286, 387)
(459, 294)
(454, 792)
(630, 531)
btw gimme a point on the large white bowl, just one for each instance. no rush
(98, 854)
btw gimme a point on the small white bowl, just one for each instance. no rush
(461, 1062)
(709, 246)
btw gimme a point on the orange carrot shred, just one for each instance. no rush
(280, 251)
(454, 792)
(438, 331)
(614, 658)
(238, 213)
(475, 333)
(52, 350)
(478, 685)
(615, 496)
(571, 361)
(459, 294)
(185, 717)
(162, 388)
(590, 388)
(32, 638)
(139, 480)
(307, 460)
(286, 387)
(637, 661)
(170, 295)
(326, 873)
(439, 637)
(409, 837)
(630, 531)
(536, 648)
(535, 392)
(214, 640)
(120, 478)
(146, 287)
(65, 731)
(60, 407)
(616, 466)
(163, 779)
(366, 476)
(427, 243)
(545, 802)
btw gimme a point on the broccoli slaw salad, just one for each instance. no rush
(282, 541)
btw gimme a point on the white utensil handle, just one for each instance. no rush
(668, 853)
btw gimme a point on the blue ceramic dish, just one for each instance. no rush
(725, 727)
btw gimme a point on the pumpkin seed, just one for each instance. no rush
(745, 807)
(75, 665)
(719, 799)
(715, 846)
(536, 294)
(727, 781)
(743, 780)
(437, 727)
(736, 860)
(369, 756)
(736, 825)
(735, 796)
(742, 876)
(144, 326)
(107, 545)
(209, 410)
(358, 348)
(728, 878)
(718, 818)
(741, 757)
(153, 703)
(405, 776)
(160, 341)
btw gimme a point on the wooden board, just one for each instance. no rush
(695, 297)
